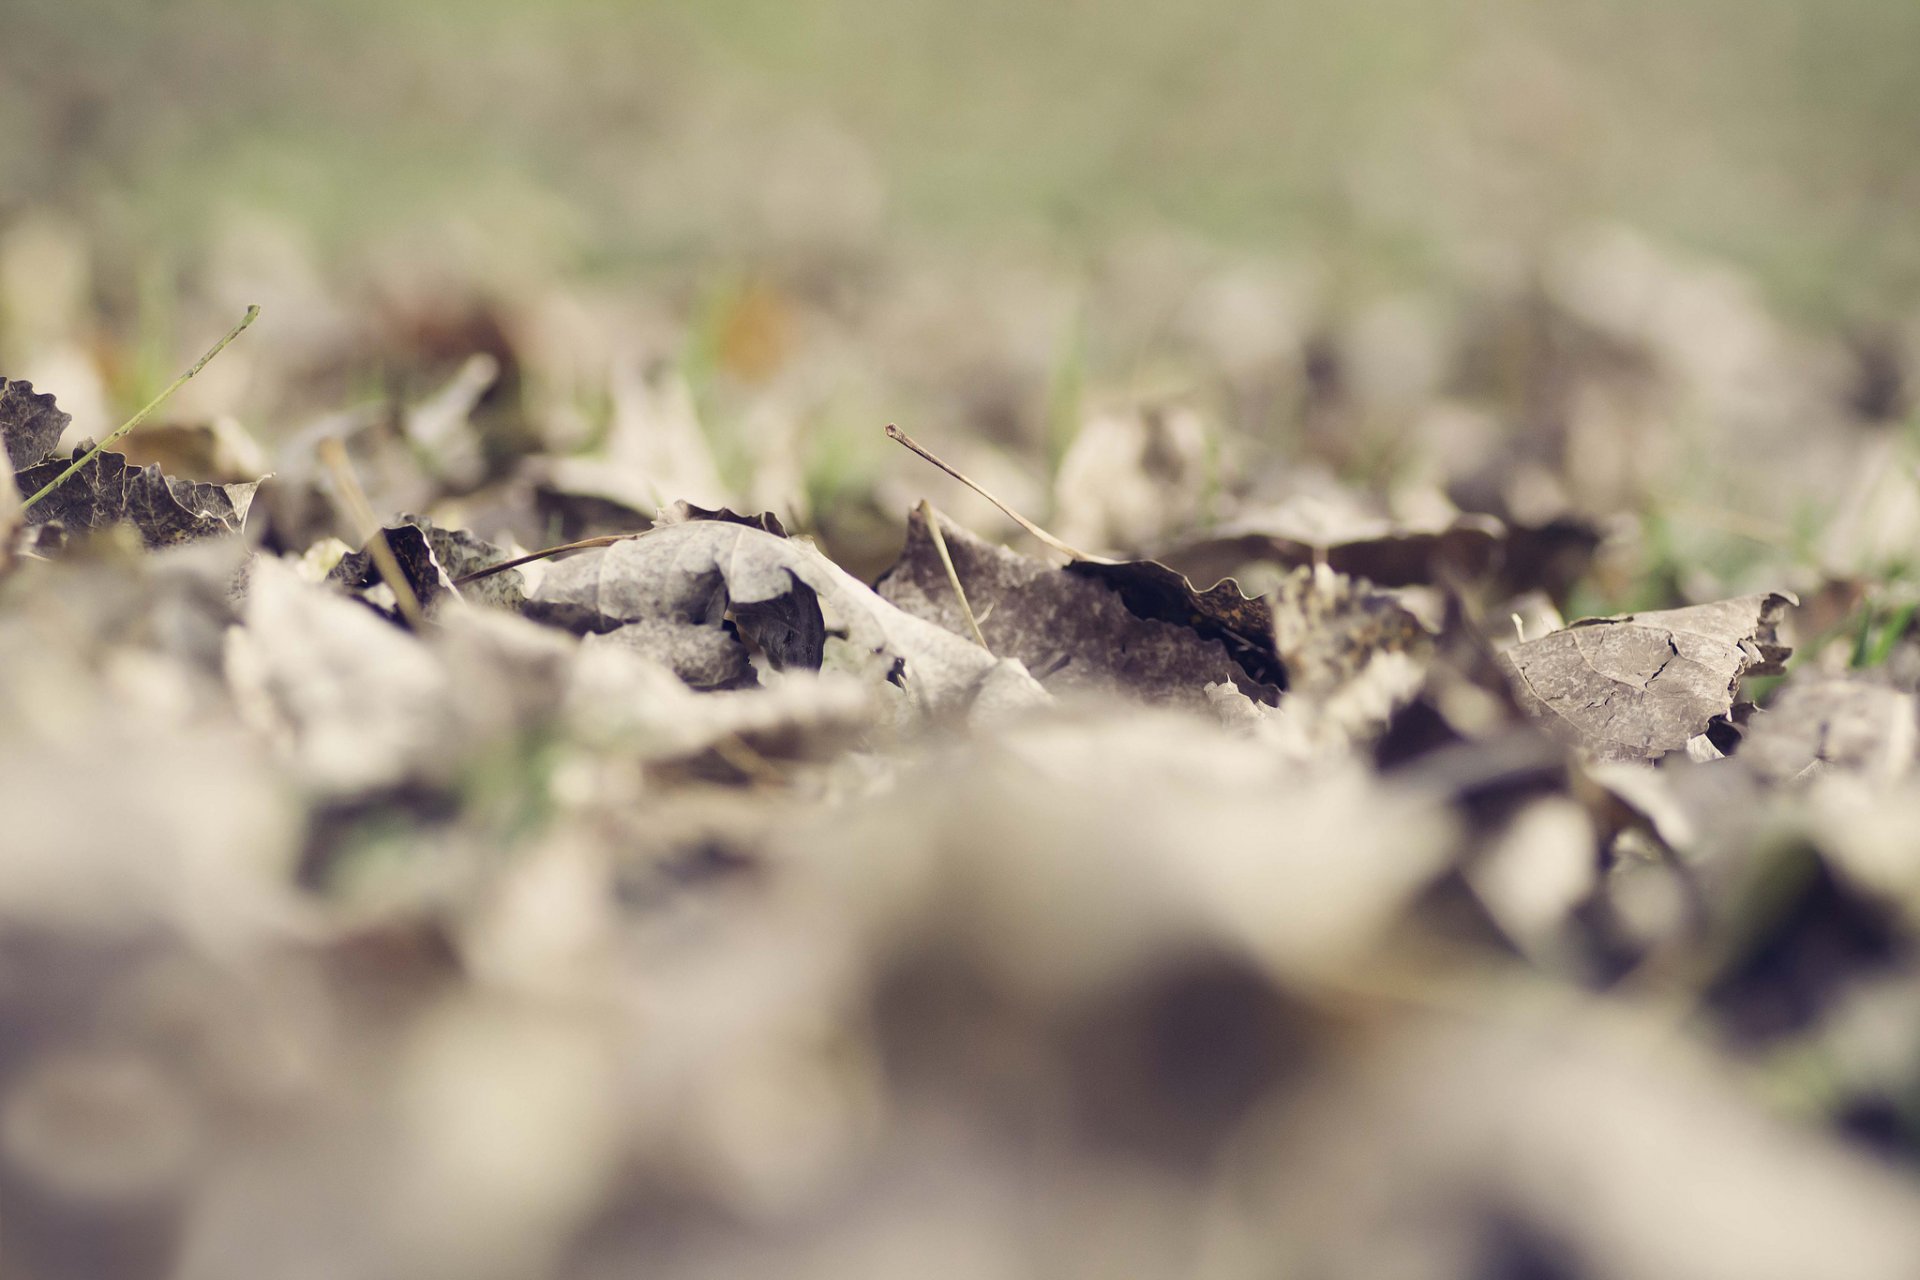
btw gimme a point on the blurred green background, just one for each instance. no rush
(1388, 137)
(1613, 257)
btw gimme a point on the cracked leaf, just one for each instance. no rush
(107, 491)
(1641, 685)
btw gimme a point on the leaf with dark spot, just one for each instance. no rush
(781, 596)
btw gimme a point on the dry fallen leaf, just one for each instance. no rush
(1549, 556)
(1820, 722)
(1641, 685)
(30, 424)
(433, 560)
(782, 596)
(107, 492)
(485, 949)
(1137, 628)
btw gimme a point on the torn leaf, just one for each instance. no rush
(1139, 628)
(1641, 685)
(432, 559)
(359, 572)
(1153, 592)
(30, 424)
(461, 553)
(107, 491)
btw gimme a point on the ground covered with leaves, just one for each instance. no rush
(1254, 873)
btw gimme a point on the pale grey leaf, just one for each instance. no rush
(1641, 685)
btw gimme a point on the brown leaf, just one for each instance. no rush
(433, 560)
(1137, 627)
(30, 424)
(1548, 557)
(1222, 613)
(1641, 685)
(107, 491)
(682, 512)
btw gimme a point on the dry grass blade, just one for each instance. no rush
(895, 433)
(953, 574)
(545, 553)
(354, 505)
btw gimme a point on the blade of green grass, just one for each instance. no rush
(140, 417)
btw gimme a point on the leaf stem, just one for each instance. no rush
(585, 544)
(140, 417)
(902, 437)
(352, 500)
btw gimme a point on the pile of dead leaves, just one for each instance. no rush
(685, 906)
